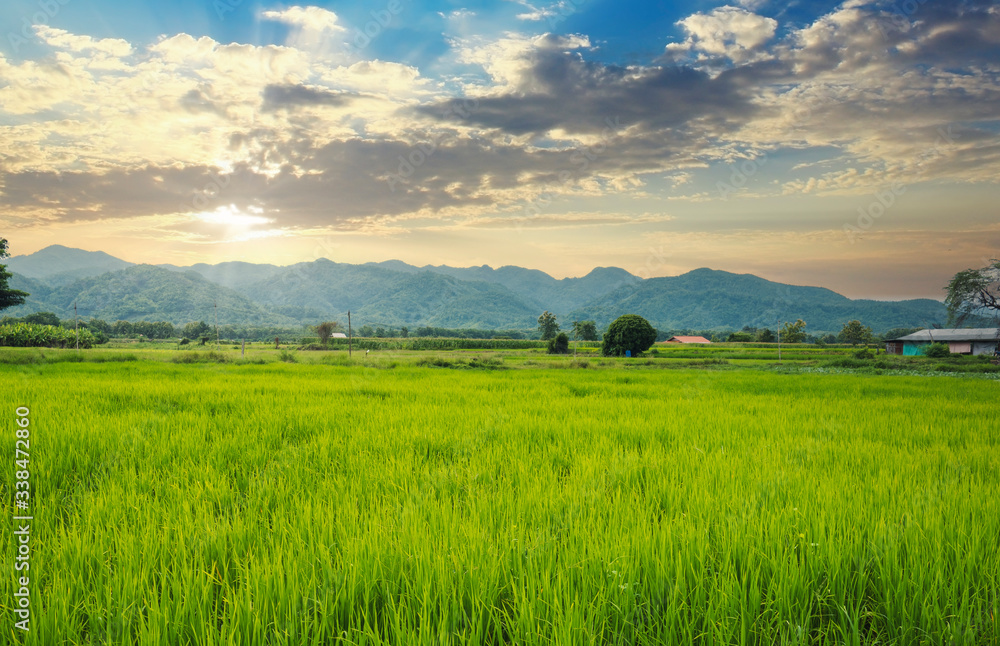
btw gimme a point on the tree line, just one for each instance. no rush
(973, 295)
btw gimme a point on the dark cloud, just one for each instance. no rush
(578, 97)
(560, 90)
(953, 35)
(277, 97)
(197, 100)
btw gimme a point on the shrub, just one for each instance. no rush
(436, 362)
(483, 363)
(559, 344)
(937, 351)
(848, 362)
(487, 363)
(200, 357)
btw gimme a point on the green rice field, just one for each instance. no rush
(499, 499)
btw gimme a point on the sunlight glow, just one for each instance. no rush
(230, 216)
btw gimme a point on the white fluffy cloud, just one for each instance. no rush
(307, 18)
(726, 31)
(62, 39)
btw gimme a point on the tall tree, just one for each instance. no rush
(8, 297)
(794, 332)
(547, 325)
(974, 293)
(586, 330)
(854, 333)
(764, 336)
(325, 329)
(190, 330)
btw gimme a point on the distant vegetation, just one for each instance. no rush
(43, 336)
(397, 300)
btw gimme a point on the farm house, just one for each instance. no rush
(687, 339)
(971, 341)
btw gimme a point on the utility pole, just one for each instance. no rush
(349, 339)
(779, 341)
(216, 325)
(77, 315)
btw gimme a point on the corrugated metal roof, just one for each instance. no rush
(972, 334)
(688, 339)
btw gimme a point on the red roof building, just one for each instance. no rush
(687, 339)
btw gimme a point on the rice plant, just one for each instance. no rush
(227, 503)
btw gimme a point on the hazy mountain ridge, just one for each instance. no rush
(711, 299)
(393, 293)
(388, 297)
(58, 265)
(233, 274)
(148, 293)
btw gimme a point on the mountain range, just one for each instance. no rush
(396, 294)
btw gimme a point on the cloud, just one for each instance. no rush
(292, 96)
(509, 60)
(540, 13)
(543, 86)
(62, 39)
(306, 18)
(315, 142)
(726, 31)
(313, 30)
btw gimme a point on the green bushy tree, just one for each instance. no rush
(42, 318)
(193, 330)
(559, 344)
(765, 336)
(586, 330)
(793, 332)
(629, 332)
(854, 333)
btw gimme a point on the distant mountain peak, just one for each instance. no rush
(58, 264)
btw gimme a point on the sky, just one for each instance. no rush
(853, 145)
